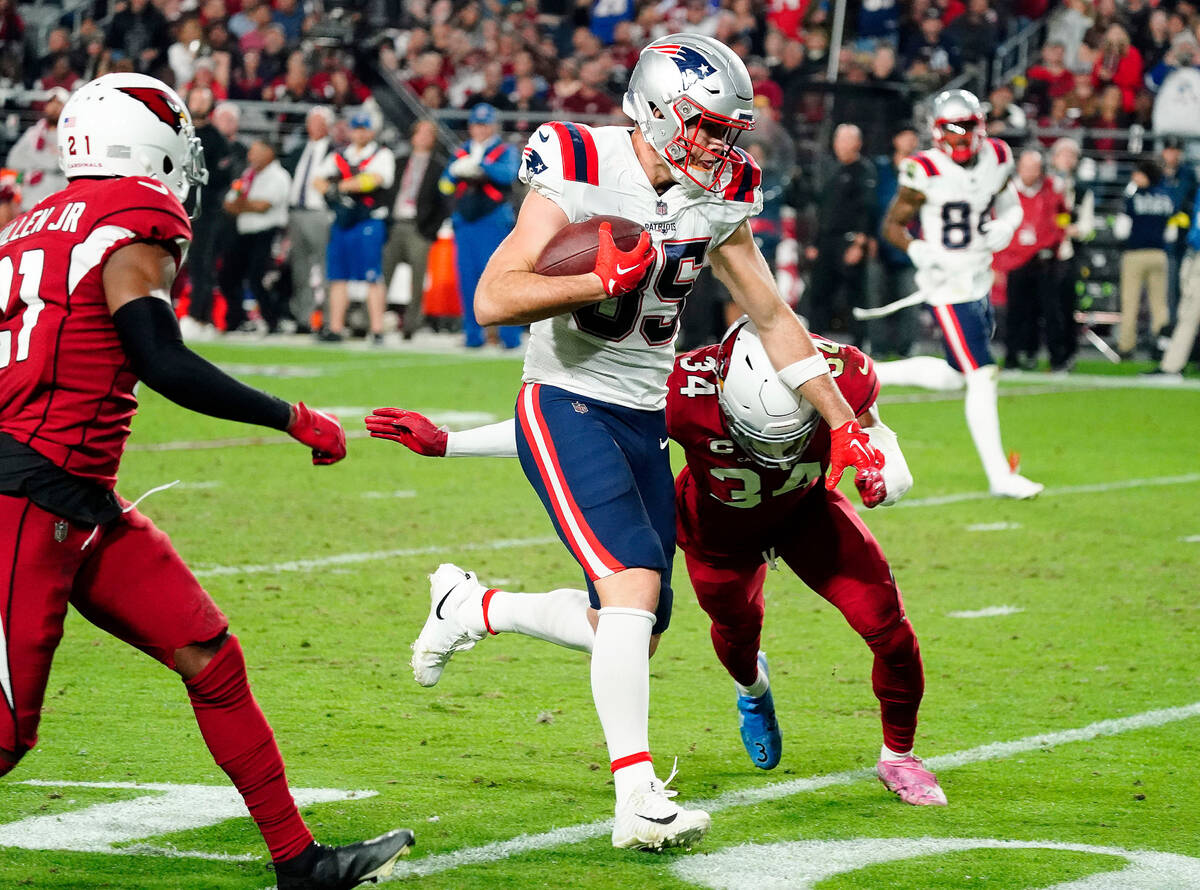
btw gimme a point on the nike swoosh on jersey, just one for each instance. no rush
(663, 443)
(154, 186)
(665, 820)
(545, 137)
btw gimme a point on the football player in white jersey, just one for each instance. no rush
(960, 190)
(591, 428)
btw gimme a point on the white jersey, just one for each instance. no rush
(957, 201)
(622, 349)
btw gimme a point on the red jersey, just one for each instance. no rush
(729, 505)
(66, 389)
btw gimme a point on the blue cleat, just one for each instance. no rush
(759, 728)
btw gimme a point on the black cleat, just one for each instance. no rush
(340, 868)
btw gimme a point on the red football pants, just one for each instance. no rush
(833, 552)
(130, 582)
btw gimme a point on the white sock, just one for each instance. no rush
(621, 691)
(758, 688)
(886, 753)
(983, 420)
(921, 370)
(559, 617)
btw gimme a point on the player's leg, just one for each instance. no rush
(39, 555)
(967, 330)
(468, 264)
(839, 558)
(924, 371)
(135, 586)
(732, 597)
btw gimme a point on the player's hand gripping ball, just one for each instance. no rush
(617, 250)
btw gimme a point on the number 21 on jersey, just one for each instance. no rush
(26, 302)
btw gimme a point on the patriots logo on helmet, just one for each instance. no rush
(160, 104)
(533, 161)
(691, 64)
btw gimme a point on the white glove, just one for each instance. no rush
(996, 235)
(466, 167)
(922, 253)
(476, 153)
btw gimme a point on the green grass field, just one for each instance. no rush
(322, 572)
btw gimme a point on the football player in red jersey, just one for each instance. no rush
(85, 313)
(751, 492)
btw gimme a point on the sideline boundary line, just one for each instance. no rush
(528, 843)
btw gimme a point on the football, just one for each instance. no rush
(572, 251)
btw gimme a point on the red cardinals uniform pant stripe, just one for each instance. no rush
(130, 582)
(833, 552)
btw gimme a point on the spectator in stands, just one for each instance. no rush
(526, 99)
(1119, 64)
(10, 203)
(247, 82)
(845, 220)
(290, 15)
(141, 33)
(1005, 118)
(428, 72)
(931, 51)
(481, 178)
(59, 76)
(976, 33)
(258, 201)
(354, 181)
(255, 37)
(1035, 272)
(419, 212)
(606, 15)
(210, 217)
(293, 86)
(277, 58)
(204, 78)
(764, 87)
(491, 88)
(12, 41)
(1187, 322)
(1050, 79)
(589, 96)
(182, 54)
(1143, 226)
(894, 335)
(35, 153)
(1184, 53)
(1067, 25)
(878, 22)
(1155, 41)
(309, 216)
(1109, 116)
(1179, 179)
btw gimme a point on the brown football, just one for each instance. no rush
(572, 251)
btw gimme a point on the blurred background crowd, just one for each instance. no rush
(1098, 99)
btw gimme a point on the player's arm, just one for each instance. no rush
(510, 292)
(1006, 205)
(740, 266)
(419, 434)
(900, 213)
(137, 282)
(897, 479)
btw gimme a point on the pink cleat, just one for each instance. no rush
(909, 779)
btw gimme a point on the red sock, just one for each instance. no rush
(898, 678)
(243, 745)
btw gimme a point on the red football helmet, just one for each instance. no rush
(958, 125)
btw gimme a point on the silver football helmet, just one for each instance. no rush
(130, 125)
(766, 418)
(958, 124)
(684, 90)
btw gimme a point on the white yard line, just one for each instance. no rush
(993, 526)
(1092, 488)
(341, 559)
(989, 612)
(573, 834)
(1190, 539)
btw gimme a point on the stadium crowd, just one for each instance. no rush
(1097, 71)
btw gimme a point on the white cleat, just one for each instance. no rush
(1016, 486)
(443, 633)
(649, 820)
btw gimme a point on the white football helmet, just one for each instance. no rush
(958, 124)
(766, 418)
(130, 125)
(681, 84)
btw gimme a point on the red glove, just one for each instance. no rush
(319, 431)
(620, 270)
(871, 487)
(414, 431)
(849, 446)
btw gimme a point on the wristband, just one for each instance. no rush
(799, 373)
